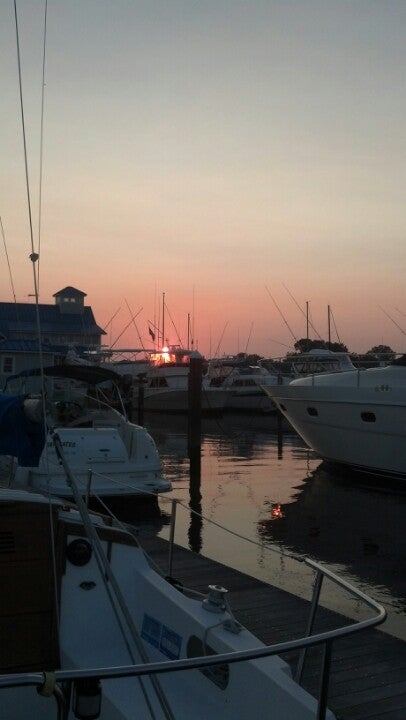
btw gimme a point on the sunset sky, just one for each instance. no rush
(219, 151)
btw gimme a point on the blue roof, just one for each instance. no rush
(21, 318)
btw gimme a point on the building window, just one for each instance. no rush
(8, 365)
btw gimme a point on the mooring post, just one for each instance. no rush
(195, 401)
(140, 404)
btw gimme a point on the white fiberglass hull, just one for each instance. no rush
(358, 420)
(103, 464)
(136, 618)
(253, 401)
(177, 400)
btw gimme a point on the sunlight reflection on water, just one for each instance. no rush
(275, 492)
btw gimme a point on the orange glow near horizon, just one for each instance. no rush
(211, 151)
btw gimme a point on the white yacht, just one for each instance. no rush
(166, 385)
(317, 361)
(112, 458)
(356, 418)
(92, 629)
(243, 384)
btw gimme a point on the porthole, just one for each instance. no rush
(312, 411)
(368, 417)
(79, 552)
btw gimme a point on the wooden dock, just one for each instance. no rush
(368, 676)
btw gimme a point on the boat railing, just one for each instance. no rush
(309, 639)
(52, 683)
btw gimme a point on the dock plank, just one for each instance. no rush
(368, 677)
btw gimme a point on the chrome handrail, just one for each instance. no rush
(325, 638)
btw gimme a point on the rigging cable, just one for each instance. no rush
(174, 326)
(41, 153)
(335, 326)
(302, 311)
(281, 314)
(126, 327)
(112, 587)
(33, 256)
(249, 338)
(221, 338)
(8, 261)
(394, 321)
(111, 319)
(135, 324)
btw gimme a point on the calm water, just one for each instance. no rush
(272, 490)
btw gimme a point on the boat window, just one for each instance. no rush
(312, 411)
(219, 674)
(157, 382)
(368, 417)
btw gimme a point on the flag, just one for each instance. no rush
(151, 332)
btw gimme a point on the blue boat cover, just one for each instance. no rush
(19, 436)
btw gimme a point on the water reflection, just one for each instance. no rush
(195, 501)
(272, 489)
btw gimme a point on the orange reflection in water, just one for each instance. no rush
(276, 511)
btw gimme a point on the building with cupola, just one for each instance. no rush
(66, 325)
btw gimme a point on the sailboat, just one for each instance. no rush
(92, 629)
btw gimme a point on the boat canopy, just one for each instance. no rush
(92, 375)
(19, 436)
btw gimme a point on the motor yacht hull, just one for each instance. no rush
(102, 463)
(356, 419)
(174, 400)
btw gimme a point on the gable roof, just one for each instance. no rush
(20, 318)
(69, 290)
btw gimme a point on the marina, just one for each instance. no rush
(276, 492)
(191, 531)
(367, 672)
